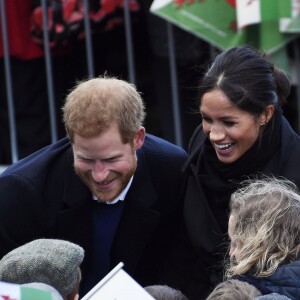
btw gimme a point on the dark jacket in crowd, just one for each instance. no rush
(42, 197)
(284, 281)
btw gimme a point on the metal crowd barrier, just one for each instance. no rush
(90, 70)
(11, 112)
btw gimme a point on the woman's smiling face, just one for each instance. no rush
(232, 131)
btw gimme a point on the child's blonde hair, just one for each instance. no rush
(266, 226)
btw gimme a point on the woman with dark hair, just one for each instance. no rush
(243, 133)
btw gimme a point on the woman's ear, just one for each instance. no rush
(268, 114)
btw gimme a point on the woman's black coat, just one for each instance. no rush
(199, 254)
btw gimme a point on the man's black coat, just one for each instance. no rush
(42, 197)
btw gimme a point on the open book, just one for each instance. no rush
(118, 285)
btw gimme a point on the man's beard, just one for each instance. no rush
(109, 194)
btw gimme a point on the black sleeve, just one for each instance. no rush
(20, 212)
(185, 269)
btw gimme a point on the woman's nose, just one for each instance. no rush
(216, 133)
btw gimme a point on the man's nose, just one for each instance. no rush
(100, 171)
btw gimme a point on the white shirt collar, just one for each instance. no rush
(121, 196)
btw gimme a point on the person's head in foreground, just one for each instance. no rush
(164, 292)
(234, 290)
(264, 227)
(240, 99)
(272, 296)
(104, 120)
(50, 261)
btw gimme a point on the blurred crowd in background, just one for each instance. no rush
(69, 64)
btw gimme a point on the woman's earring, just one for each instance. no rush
(263, 124)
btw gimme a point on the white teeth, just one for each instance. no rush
(223, 146)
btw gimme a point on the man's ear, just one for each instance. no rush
(73, 296)
(139, 138)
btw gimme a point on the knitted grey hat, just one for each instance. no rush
(51, 261)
